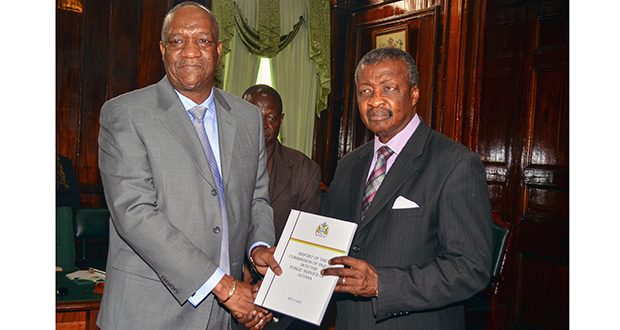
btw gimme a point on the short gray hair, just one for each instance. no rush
(384, 54)
(164, 28)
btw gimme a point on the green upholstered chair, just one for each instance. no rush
(486, 302)
(65, 246)
(91, 225)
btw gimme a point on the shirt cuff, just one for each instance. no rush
(206, 288)
(255, 245)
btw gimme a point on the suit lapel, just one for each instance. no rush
(362, 165)
(282, 168)
(177, 121)
(403, 168)
(226, 128)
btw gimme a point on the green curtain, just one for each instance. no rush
(224, 11)
(266, 40)
(319, 51)
(301, 74)
(238, 66)
(294, 76)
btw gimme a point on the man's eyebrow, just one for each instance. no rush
(384, 81)
(387, 79)
(205, 33)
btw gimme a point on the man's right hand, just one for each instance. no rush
(241, 304)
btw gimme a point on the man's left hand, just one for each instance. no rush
(357, 277)
(262, 258)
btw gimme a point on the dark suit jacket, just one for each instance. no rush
(294, 183)
(428, 259)
(166, 223)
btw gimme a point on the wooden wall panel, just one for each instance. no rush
(548, 281)
(122, 48)
(524, 134)
(499, 93)
(149, 66)
(93, 94)
(68, 67)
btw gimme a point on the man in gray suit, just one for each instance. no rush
(164, 170)
(423, 242)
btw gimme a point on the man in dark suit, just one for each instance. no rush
(423, 242)
(188, 195)
(294, 179)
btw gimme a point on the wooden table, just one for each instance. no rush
(79, 309)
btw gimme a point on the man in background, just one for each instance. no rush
(423, 242)
(183, 165)
(294, 179)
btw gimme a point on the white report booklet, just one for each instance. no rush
(307, 243)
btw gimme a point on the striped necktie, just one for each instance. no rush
(376, 177)
(199, 112)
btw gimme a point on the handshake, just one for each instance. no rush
(238, 296)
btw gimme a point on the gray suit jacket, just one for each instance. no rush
(428, 259)
(165, 214)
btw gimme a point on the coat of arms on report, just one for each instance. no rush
(322, 230)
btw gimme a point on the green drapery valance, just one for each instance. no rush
(266, 41)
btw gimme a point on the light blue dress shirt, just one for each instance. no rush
(210, 122)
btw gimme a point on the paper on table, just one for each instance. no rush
(307, 243)
(90, 275)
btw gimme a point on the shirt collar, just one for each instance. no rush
(188, 103)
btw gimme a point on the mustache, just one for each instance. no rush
(375, 111)
(192, 63)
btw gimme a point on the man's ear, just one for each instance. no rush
(219, 53)
(415, 95)
(162, 49)
(281, 118)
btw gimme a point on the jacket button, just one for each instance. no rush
(213, 192)
(355, 248)
(216, 230)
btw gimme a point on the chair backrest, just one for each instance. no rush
(503, 235)
(65, 246)
(500, 237)
(487, 300)
(92, 223)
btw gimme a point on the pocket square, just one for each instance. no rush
(403, 203)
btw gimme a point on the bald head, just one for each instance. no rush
(269, 102)
(262, 91)
(165, 29)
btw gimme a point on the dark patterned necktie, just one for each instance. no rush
(199, 112)
(376, 177)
